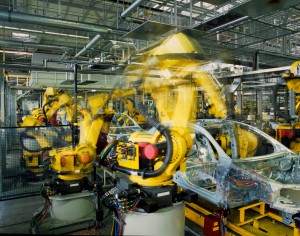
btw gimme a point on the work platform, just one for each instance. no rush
(250, 220)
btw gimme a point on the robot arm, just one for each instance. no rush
(152, 159)
(297, 108)
(73, 163)
(124, 95)
(55, 99)
(293, 82)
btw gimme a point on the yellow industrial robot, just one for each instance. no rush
(146, 198)
(32, 160)
(69, 194)
(291, 132)
(148, 202)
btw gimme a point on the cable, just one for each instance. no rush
(108, 148)
(44, 112)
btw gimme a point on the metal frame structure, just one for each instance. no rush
(233, 31)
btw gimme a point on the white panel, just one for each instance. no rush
(38, 59)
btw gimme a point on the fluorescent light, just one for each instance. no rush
(16, 52)
(34, 31)
(20, 35)
(9, 27)
(68, 35)
(45, 32)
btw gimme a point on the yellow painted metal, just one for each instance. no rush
(247, 143)
(20, 76)
(198, 208)
(97, 101)
(180, 43)
(128, 160)
(69, 161)
(196, 213)
(210, 86)
(297, 107)
(174, 96)
(179, 151)
(243, 209)
(238, 229)
(194, 217)
(224, 141)
(31, 158)
(266, 223)
(255, 222)
(294, 83)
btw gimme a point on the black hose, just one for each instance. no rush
(133, 103)
(44, 112)
(24, 135)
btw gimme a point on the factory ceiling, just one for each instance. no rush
(107, 33)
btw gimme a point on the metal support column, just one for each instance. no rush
(259, 103)
(2, 100)
(292, 103)
(2, 135)
(239, 100)
(75, 139)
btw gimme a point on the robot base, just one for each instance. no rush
(58, 227)
(166, 221)
(68, 213)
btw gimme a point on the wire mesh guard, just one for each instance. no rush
(24, 157)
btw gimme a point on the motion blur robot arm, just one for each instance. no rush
(151, 160)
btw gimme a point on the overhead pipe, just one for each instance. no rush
(34, 45)
(43, 68)
(131, 8)
(54, 22)
(89, 45)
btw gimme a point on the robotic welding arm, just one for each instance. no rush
(151, 159)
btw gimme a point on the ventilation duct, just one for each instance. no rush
(54, 22)
(89, 45)
(131, 8)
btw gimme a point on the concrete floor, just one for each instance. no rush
(16, 215)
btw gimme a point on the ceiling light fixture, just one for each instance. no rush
(45, 32)
(16, 52)
(20, 35)
(67, 35)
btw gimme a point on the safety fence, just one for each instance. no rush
(23, 157)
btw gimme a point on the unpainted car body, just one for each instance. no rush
(233, 164)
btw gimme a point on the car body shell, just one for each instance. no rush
(227, 179)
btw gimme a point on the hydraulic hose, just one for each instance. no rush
(24, 136)
(44, 112)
